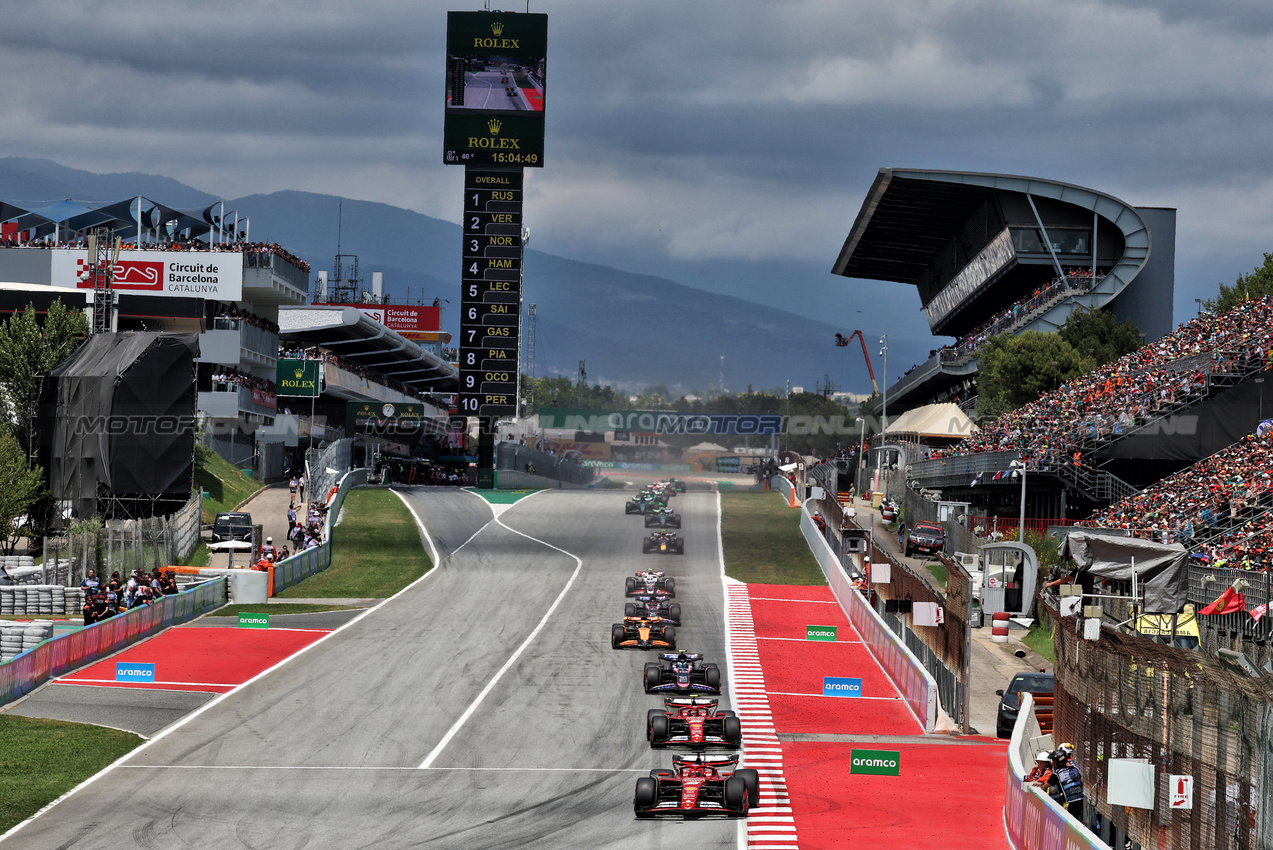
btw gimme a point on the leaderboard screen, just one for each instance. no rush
(495, 89)
(491, 292)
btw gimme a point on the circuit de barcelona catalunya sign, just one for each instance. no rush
(214, 275)
(660, 421)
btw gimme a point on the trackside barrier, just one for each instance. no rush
(315, 559)
(917, 685)
(1031, 820)
(23, 673)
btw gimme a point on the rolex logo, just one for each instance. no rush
(497, 27)
(300, 373)
(494, 125)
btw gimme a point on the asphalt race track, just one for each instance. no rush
(461, 713)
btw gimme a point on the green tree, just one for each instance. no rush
(28, 351)
(1099, 336)
(1254, 285)
(1015, 369)
(20, 489)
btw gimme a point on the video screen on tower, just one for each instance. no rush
(495, 88)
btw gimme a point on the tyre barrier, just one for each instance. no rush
(999, 629)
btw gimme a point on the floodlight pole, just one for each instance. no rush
(1019, 466)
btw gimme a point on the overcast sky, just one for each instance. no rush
(679, 130)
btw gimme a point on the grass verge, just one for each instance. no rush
(225, 484)
(40, 760)
(233, 610)
(1039, 638)
(376, 551)
(763, 543)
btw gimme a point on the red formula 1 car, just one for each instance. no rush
(649, 583)
(698, 786)
(693, 722)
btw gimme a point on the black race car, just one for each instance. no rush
(643, 633)
(663, 542)
(681, 673)
(662, 518)
(649, 583)
(698, 786)
(693, 722)
(653, 606)
(676, 484)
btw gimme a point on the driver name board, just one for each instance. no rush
(491, 292)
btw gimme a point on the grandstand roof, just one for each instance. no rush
(351, 334)
(120, 216)
(910, 216)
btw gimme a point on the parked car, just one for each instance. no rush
(1010, 700)
(232, 525)
(926, 537)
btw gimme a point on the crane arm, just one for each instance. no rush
(841, 341)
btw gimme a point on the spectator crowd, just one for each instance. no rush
(268, 248)
(103, 600)
(1130, 390)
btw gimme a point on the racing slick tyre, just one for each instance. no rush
(669, 584)
(629, 609)
(711, 677)
(735, 794)
(732, 732)
(680, 547)
(647, 794)
(616, 635)
(658, 730)
(651, 520)
(653, 678)
(629, 584)
(752, 779)
(645, 549)
(674, 611)
(669, 635)
(649, 719)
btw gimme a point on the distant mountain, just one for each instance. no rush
(33, 183)
(633, 330)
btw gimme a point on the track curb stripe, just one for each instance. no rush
(771, 825)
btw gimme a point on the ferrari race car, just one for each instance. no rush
(662, 518)
(643, 633)
(653, 606)
(692, 722)
(681, 673)
(696, 786)
(649, 583)
(663, 542)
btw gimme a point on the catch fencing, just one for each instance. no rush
(62, 654)
(124, 545)
(1187, 713)
(916, 685)
(323, 468)
(519, 467)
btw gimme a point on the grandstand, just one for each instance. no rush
(996, 253)
(1129, 423)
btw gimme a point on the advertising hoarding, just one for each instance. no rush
(299, 377)
(495, 78)
(415, 322)
(214, 275)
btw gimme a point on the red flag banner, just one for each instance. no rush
(1259, 611)
(1229, 602)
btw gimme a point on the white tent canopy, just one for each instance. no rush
(934, 420)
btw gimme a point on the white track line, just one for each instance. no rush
(372, 769)
(163, 733)
(772, 826)
(468, 712)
